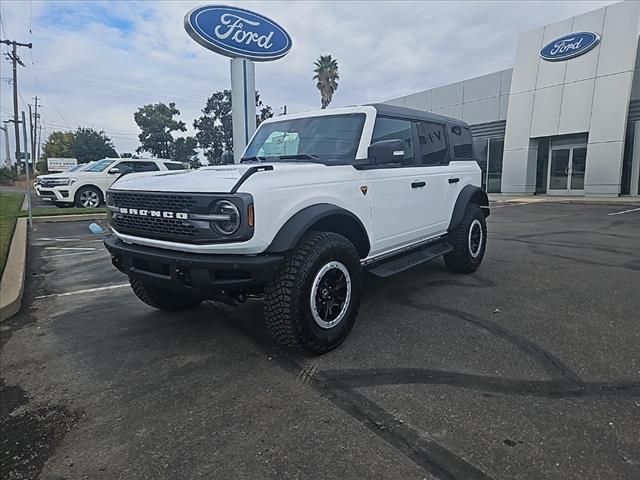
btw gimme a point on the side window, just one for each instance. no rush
(145, 167)
(461, 142)
(433, 143)
(395, 129)
(174, 166)
(124, 167)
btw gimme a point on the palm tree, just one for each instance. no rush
(326, 73)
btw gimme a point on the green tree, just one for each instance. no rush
(214, 129)
(326, 74)
(90, 145)
(184, 150)
(58, 145)
(157, 122)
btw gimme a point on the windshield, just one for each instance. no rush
(99, 166)
(330, 137)
(74, 168)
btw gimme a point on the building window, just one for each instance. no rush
(488, 153)
(494, 174)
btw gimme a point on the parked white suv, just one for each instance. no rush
(319, 198)
(86, 187)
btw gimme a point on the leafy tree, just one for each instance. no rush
(326, 73)
(214, 129)
(58, 145)
(90, 145)
(184, 150)
(156, 122)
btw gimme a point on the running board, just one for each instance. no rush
(405, 261)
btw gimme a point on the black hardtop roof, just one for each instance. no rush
(411, 114)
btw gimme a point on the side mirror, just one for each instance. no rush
(386, 151)
(114, 171)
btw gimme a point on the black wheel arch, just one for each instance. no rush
(469, 194)
(321, 217)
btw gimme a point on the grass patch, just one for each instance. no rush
(51, 211)
(10, 204)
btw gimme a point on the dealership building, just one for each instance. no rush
(565, 120)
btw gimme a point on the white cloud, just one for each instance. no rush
(97, 62)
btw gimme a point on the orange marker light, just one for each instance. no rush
(250, 214)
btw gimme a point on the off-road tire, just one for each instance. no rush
(461, 259)
(162, 299)
(78, 197)
(287, 304)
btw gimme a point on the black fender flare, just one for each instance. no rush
(337, 220)
(469, 194)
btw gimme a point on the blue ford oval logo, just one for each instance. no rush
(236, 32)
(569, 46)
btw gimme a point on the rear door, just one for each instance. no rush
(434, 160)
(397, 190)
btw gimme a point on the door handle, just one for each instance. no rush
(418, 184)
(454, 180)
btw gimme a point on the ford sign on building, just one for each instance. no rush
(569, 46)
(565, 120)
(235, 32)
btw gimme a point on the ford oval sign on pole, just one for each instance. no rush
(236, 32)
(569, 46)
(244, 36)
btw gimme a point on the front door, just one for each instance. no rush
(566, 170)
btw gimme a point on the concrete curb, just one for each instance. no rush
(71, 218)
(12, 284)
(613, 201)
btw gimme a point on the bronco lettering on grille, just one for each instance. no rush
(154, 213)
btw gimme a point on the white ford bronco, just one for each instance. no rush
(318, 199)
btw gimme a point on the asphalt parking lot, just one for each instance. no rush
(529, 368)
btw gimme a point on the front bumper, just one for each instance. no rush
(203, 275)
(54, 194)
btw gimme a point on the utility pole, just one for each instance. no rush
(16, 60)
(33, 123)
(39, 139)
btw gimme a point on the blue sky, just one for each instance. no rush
(95, 63)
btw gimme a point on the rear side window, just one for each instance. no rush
(461, 142)
(174, 166)
(433, 143)
(395, 129)
(145, 167)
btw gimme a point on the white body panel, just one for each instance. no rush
(392, 212)
(103, 180)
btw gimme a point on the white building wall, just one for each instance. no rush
(476, 100)
(589, 93)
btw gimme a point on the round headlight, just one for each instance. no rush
(231, 223)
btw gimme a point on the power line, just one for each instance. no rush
(113, 87)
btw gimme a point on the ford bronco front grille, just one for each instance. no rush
(156, 201)
(165, 228)
(175, 217)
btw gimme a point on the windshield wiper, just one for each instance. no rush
(252, 159)
(298, 156)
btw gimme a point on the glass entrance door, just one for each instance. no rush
(566, 170)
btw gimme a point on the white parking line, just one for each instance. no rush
(69, 240)
(625, 211)
(86, 290)
(70, 248)
(74, 253)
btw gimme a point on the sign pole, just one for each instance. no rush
(243, 104)
(26, 163)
